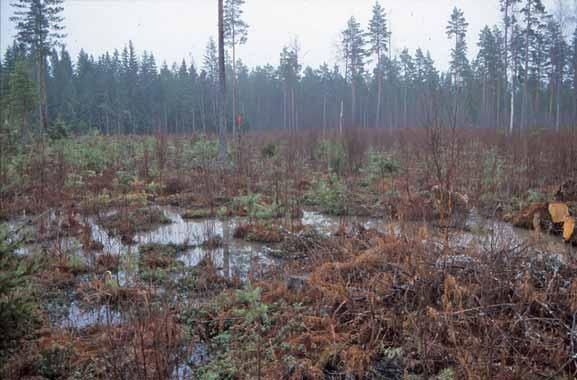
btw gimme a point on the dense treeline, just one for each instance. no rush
(524, 75)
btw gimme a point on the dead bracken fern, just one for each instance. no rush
(514, 311)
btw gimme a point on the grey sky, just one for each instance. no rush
(177, 29)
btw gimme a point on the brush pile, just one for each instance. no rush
(389, 308)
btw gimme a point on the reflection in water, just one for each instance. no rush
(237, 257)
(233, 258)
(485, 234)
(226, 250)
(198, 356)
(481, 233)
(75, 317)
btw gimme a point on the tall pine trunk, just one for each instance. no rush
(341, 115)
(324, 114)
(354, 102)
(558, 101)
(222, 86)
(512, 116)
(506, 49)
(379, 90)
(525, 102)
(233, 82)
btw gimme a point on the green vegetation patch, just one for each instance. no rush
(330, 195)
(19, 313)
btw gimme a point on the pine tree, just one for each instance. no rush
(511, 53)
(289, 73)
(509, 20)
(379, 37)
(558, 54)
(426, 80)
(235, 33)
(354, 53)
(488, 67)
(531, 11)
(408, 74)
(420, 66)
(222, 85)
(457, 30)
(574, 73)
(39, 26)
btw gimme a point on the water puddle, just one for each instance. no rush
(233, 257)
(485, 234)
(197, 357)
(239, 258)
(239, 255)
(74, 316)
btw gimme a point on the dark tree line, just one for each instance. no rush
(524, 75)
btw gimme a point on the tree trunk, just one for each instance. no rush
(294, 108)
(341, 118)
(203, 113)
(353, 100)
(524, 103)
(405, 111)
(42, 90)
(222, 86)
(498, 117)
(506, 54)
(575, 86)
(284, 107)
(512, 118)
(233, 82)
(558, 101)
(324, 113)
(379, 92)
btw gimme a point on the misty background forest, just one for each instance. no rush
(376, 217)
(529, 56)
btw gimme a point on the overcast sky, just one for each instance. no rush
(177, 29)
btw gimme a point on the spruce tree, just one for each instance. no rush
(39, 26)
(379, 42)
(22, 96)
(60, 85)
(354, 52)
(532, 11)
(210, 62)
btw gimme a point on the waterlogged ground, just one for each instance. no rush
(234, 257)
(237, 258)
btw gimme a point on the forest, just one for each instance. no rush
(531, 56)
(375, 217)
